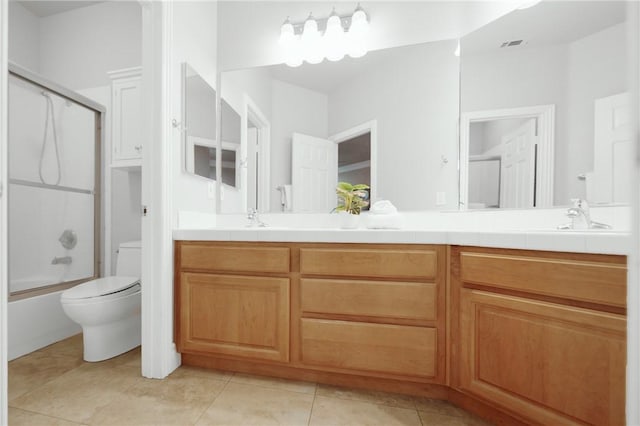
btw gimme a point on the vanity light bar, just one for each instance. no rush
(334, 37)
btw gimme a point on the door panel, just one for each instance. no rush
(314, 174)
(541, 359)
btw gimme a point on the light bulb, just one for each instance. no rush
(359, 22)
(334, 38)
(311, 42)
(287, 33)
(357, 43)
(290, 44)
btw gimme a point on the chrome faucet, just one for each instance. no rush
(254, 219)
(65, 260)
(581, 217)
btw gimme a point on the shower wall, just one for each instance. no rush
(40, 208)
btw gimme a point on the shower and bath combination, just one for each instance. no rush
(50, 113)
(54, 182)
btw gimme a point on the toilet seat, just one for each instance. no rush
(103, 289)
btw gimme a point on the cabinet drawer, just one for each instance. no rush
(586, 281)
(384, 348)
(211, 257)
(383, 299)
(376, 263)
(235, 315)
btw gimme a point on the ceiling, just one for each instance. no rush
(43, 8)
(547, 23)
(326, 76)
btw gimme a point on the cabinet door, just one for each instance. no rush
(127, 116)
(234, 315)
(552, 364)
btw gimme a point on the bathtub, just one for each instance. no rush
(36, 322)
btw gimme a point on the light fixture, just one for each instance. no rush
(334, 39)
(308, 42)
(457, 51)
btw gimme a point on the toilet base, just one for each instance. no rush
(106, 341)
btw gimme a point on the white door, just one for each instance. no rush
(252, 167)
(314, 174)
(517, 175)
(613, 150)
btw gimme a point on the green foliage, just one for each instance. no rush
(351, 197)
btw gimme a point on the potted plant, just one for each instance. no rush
(351, 198)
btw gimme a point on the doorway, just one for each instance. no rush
(255, 145)
(521, 157)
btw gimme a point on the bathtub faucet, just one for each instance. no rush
(65, 260)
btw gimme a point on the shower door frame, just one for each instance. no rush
(99, 111)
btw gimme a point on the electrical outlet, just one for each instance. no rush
(441, 198)
(211, 190)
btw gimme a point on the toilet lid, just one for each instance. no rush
(102, 287)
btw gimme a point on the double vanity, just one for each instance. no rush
(515, 334)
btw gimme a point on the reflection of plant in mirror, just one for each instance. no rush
(352, 197)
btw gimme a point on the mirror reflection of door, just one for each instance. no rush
(253, 162)
(502, 171)
(318, 164)
(314, 174)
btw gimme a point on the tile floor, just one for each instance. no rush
(53, 386)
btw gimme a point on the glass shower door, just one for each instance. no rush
(53, 186)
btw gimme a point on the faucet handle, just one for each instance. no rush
(579, 203)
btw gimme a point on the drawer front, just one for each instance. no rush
(383, 299)
(394, 349)
(235, 315)
(593, 282)
(209, 257)
(375, 263)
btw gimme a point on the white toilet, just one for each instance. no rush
(108, 309)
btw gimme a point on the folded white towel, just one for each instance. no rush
(384, 221)
(383, 207)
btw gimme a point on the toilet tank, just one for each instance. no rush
(129, 261)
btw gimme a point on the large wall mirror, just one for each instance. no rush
(198, 124)
(545, 109)
(199, 131)
(388, 119)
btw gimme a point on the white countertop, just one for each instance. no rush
(567, 241)
(533, 229)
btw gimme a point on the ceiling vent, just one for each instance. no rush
(512, 43)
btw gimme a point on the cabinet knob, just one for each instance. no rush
(138, 148)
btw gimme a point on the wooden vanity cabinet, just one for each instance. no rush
(232, 300)
(371, 310)
(374, 309)
(541, 335)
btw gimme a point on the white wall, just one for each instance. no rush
(597, 68)
(194, 42)
(570, 76)
(417, 115)
(294, 110)
(24, 37)
(79, 46)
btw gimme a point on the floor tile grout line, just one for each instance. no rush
(47, 415)
(226, 383)
(313, 403)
